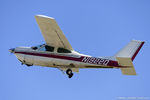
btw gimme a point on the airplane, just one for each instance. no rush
(58, 53)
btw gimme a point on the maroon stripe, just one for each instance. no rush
(111, 62)
(52, 56)
(137, 51)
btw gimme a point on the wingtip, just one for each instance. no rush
(139, 41)
(43, 16)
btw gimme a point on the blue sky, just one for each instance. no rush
(94, 27)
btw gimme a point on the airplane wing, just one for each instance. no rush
(52, 33)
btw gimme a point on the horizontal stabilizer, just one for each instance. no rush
(127, 63)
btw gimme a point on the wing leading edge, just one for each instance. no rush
(51, 32)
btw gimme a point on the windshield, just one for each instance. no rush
(47, 48)
(37, 47)
(43, 47)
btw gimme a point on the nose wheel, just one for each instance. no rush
(69, 73)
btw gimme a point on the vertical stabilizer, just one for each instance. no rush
(130, 50)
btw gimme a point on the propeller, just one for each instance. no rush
(12, 50)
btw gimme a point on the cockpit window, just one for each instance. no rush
(43, 47)
(49, 48)
(34, 48)
(62, 50)
(37, 47)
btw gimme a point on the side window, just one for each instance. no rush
(62, 50)
(49, 48)
(34, 48)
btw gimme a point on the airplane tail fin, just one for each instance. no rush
(126, 55)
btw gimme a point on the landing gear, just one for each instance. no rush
(28, 65)
(69, 73)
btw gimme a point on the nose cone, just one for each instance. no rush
(12, 50)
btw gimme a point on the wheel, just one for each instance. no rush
(28, 65)
(69, 71)
(70, 75)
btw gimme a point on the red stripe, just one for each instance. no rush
(111, 62)
(52, 56)
(137, 51)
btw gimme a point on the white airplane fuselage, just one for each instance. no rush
(61, 60)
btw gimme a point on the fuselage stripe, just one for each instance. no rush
(98, 61)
